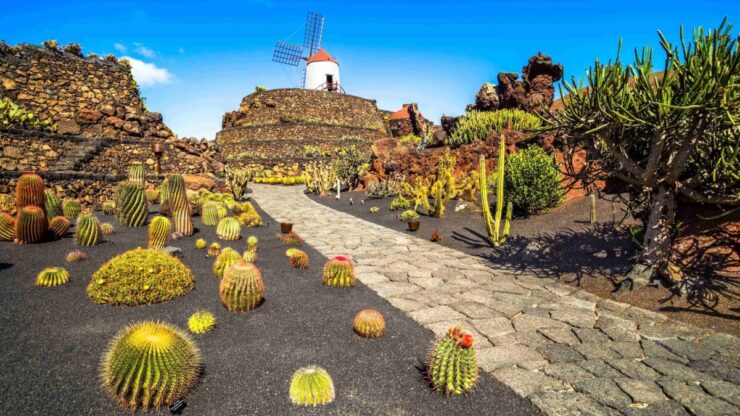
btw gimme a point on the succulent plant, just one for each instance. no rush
(164, 196)
(136, 172)
(106, 228)
(179, 205)
(30, 225)
(152, 195)
(369, 323)
(452, 365)
(52, 276)
(58, 226)
(409, 215)
(250, 219)
(212, 213)
(228, 229)
(200, 244)
(87, 230)
(400, 203)
(227, 257)
(159, 231)
(292, 239)
(7, 227)
(250, 254)
(298, 258)
(213, 250)
(29, 191)
(131, 204)
(241, 287)
(339, 272)
(75, 256)
(52, 205)
(149, 365)
(374, 210)
(201, 322)
(109, 208)
(71, 209)
(311, 386)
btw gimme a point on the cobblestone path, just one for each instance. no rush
(568, 351)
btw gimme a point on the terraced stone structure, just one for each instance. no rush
(271, 128)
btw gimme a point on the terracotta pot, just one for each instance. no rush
(285, 227)
(414, 225)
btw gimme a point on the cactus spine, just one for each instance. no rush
(29, 191)
(493, 225)
(7, 227)
(136, 172)
(71, 209)
(227, 257)
(159, 231)
(452, 365)
(369, 323)
(87, 231)
(59, 226)
(131, 204)
(52, 205)
(241, 288)
(52, 276)
(339, 272)
(30, 225)
(298, 258)
(179, 205)
(201, 322)
(228, 229)
(311, 386)
(592, 201)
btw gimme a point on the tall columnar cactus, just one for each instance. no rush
(29, 191)
(227, 257)
(58, 226)
(149, 365)
(71, 209)
(592, 202)
(136, 172)
(311, 386)
(52, 205)
(87, 230)
(339, 272)
(369, 323)
(159, 231)
(164, 196)
(228, 229)
(493, 225)
(212, 213)
(7, 227)
(241, 287)
(179, 205)
(250, 254)
(30, 225)
(131, 204)
(52, 276)
(452, 365)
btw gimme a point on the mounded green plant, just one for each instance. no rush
(212, 213)
(369, 323)
(30, 225)
(298, 258)
(241, 288)
(52, 204)
(7, 227)
(14, 116)
(476, 125)
(71, 208)
(227, 257)
(136, 172)
(29, 191)
(339, 272)
(250, 219)
(140, 277)
(311, 386)
(131, 204)
(213, 250)
(58, 226)
(409, 215)
(452, 365)
(87, 230)
(75, 256)
(228, 229)
(532, 181)
(200, 244)
(159, 231)
(493, 224)
(201, 322)
(52, 276)
(400, 203)
(179, 205)
(149, 365)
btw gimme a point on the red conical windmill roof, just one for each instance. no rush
(320, 56)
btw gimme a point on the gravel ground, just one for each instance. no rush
(53, 338)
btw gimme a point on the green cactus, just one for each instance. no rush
(131, 204)
(228, 229)
(213, 250)
(339, 272)
(7, 227)
(87, 230)
(52, 205)
(52, 276)
(241, 288)
(164, 192)
(136, 172)
(159, 231)
(452, 365)
(106, 228)
(71, 209)
(30, 225)
(292, 239)
(251, 253)
(201, 322)
(227, 257)
(369, 323)
(29, 191)
(152, 195)
(298, 258)
(311, 386)
(179, 205)
(200, 244)
(149, 365)
(212, 213)
(493, 225)
(109, 208)
(400, 203)
(58, 226)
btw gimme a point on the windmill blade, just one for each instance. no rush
(313, 33)
(287, 53)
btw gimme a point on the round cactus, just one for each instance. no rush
(71, 209)
(179, 205)
(29, 191)
(7, 227)
(200, 244)
(131, 204)
(452, 365)
(311, 386)
(106, 228)
(52, 276)
(52, 205)
(159, 231)
(212, 213)
(251, 253)
(30, 225)
(213, 250)
(292, 239)
(109, 208)
(149, 365)
(250, 219)
(228, 229)
(369, 323)
(339, 272)
(241, 288)
(136, 172)
(75, 256)
(87, 231)
(201, 322)
(58, 226)
(298, 258)
(152, 195)
(227, 257)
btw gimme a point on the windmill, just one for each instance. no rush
(321, 71)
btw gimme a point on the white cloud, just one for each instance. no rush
(120, 47)
(148, 74)
(144, 51)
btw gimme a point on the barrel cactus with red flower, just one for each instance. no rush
(452, 364)
(339, 272)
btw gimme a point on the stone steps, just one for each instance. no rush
(75, 159)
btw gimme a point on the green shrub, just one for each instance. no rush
(475, 125)
(400, 203)
(13, 116)
(349, 164)
(411, 138)
(532, 181)
(409, 215)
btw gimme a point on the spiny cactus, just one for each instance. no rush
(164, 192)
(131, 204)
(136, 172)
(30, 225)
(298, 258)
(251, 253)
(250, 219)
(75, 256)
(87, 231)
(52, 276)
(106, 228)
(179, 205)
(311, 386)
(228, 229)
(241, 288)
(109, 208)
(369, 323)
(71, 209)
(201, 322)
(452, 365)
(493, 224)
(52, 205)
(213, 250)
(212, 213)
(149, 365)
(227, 257)
(152, 195)
(292, 239)
(7, 227)
(159, 231)
(200, 244)
(339, 272)
(29, 191)
(58, 226)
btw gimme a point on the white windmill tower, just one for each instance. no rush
(321, 71)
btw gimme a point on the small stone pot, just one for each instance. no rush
(286, 227)
(414, 225)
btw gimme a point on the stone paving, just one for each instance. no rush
(568, 351)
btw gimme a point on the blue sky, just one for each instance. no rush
(196, 60)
